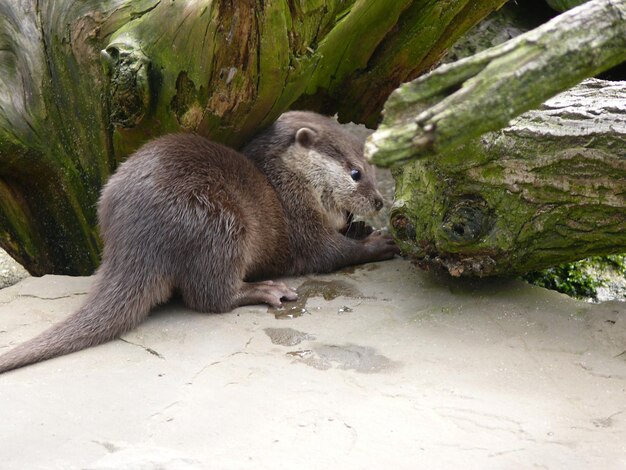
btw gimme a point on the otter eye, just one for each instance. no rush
(355, 174)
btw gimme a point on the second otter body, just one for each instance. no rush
(186, 214)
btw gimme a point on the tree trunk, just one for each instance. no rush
(550, 188)
(69, 114)
(460, 101)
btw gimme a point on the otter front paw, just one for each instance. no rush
(379, 246)
(265, 292)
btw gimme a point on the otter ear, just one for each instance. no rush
(305, 136)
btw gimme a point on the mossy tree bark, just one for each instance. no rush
(550, 188)
(481, 93)
(70, 113)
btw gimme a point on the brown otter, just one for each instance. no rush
(190, 215)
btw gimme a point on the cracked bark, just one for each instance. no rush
(70, 113)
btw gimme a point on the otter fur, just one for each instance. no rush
(184, 214)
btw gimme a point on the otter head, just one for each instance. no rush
(331, 161)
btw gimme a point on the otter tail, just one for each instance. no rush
(116, 304)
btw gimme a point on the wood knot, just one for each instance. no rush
(129, 90)
(468, 220)
(403, 228)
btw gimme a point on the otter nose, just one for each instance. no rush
(378, 203)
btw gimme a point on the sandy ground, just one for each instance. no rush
(379, 366)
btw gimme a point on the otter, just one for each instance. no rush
(187, 215)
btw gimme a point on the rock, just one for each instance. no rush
(11, 271)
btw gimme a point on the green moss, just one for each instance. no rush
(342, 53)
(617, 262)
(569, 278)
(578, 279)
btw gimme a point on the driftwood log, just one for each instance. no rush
(550, 188)
(547, 189)
(462, 100)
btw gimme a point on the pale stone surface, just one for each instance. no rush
(416, 371)
(10, 271)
